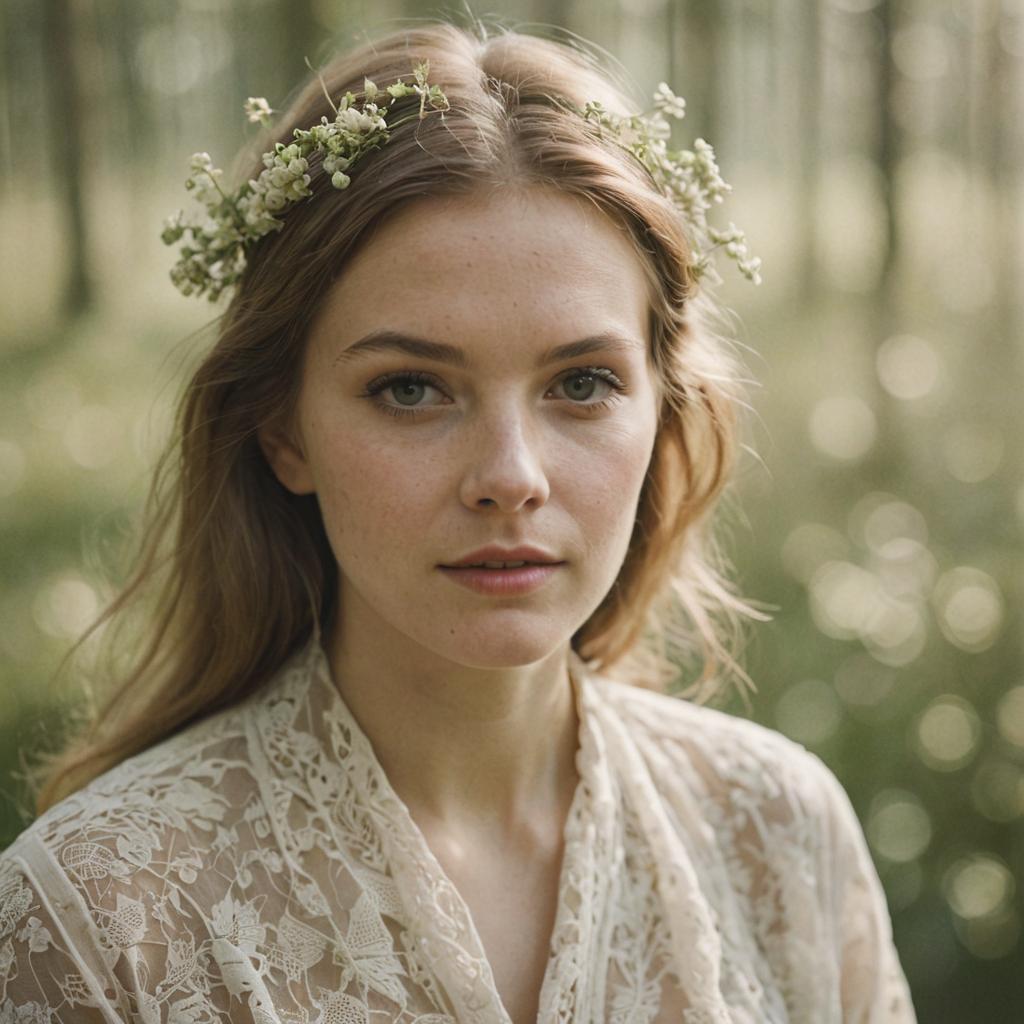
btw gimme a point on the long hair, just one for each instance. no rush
(233, 572)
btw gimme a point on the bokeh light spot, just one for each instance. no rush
(947, 733)
(907, 568)
(92, 437)
(972, 451)
(969, 606)
(810, 545)
(895, 632)
(1010, 716)
(990, 937)
(997, 790)
(808, 712)
(843, 598)
(878, 518)
(898, 826)
(978, 885)
(908, 367)
(65, 607)
(843, 427)
(172, 61)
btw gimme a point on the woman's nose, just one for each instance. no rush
(504, 464)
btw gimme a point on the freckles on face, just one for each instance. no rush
(371, 491)
(417, 460)
(606, 477)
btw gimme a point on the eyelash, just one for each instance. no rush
(380, 384)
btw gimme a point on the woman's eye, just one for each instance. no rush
(582, 382)
(405, 387)
(579, 385)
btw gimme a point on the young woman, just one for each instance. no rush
(391, 746)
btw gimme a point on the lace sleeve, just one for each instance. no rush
(42, 978)
(873, 988)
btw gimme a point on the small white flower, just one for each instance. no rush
(275, 199)
(354, 120)
(279, 177)
(297, 189)
(173, 228)
(749, 269)
(668, 102)
(257, 110)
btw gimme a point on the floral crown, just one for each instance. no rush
(214, 255)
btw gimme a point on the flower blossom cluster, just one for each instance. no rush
(214, 255)
(690, 178)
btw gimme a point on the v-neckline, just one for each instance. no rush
(468, 977)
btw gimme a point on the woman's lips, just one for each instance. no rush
(502, 582)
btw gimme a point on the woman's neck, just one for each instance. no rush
(481, 752)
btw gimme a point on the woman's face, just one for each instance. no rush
(417, 461)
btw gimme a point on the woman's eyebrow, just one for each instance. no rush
(387, 341)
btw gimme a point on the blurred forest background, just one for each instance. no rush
(875, 147)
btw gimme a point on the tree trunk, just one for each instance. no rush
(699, 77)
(888, 144)
(66, 140)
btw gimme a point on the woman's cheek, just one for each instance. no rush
(366, 500)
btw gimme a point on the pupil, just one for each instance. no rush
(588, 379)
(408, 390)
(405, 389)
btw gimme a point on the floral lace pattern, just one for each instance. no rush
(259, 867)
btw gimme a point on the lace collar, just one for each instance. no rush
(319, 754)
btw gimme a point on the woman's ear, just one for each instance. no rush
(286, 459)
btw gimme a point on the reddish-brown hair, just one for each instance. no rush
(234, 572)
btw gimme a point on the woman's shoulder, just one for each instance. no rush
(717, 753)
(184, 784)
(166, 843)
(664, 716)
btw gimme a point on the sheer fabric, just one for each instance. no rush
(259, 867)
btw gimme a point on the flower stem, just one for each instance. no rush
(323, 85)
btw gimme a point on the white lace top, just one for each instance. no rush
(259, 867)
